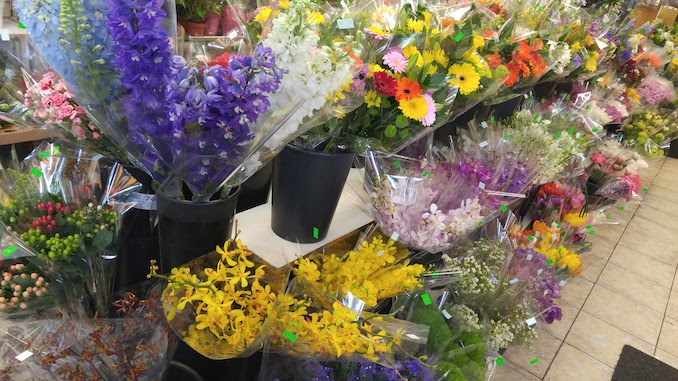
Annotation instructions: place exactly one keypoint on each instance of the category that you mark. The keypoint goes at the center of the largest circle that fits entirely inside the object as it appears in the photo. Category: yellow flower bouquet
(309, 323)
(372, 272)
(218, 304)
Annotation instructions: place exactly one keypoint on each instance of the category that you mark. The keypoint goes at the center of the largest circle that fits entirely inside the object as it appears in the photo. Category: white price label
(24, 355)
(562, 283)
(513, 281)
(144, 201)
(380, 253)
(345, 24)
(484, 124)
(529, 257)
(412, 336)
(395, 236)
(531, 321)
(483, 144)
(447, 315)
(481, 186)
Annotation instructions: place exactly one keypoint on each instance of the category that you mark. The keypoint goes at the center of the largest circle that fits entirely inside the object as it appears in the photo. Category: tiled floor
(627, 294)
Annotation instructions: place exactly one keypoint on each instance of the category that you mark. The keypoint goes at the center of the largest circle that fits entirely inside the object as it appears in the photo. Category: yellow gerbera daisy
(414, 108)
(416, 26)
(410, 51)
(465, 77)
(263, 15)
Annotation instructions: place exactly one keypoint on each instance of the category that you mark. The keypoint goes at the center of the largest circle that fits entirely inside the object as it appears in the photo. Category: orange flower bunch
(525, 61)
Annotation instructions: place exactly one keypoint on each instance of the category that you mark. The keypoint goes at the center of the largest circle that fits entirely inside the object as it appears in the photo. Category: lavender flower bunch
(411, 370)
(530, 266)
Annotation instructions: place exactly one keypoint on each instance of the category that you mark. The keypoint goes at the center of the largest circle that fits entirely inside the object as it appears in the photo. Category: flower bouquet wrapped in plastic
(135, 347)
(190, 124)
(405, 93)
(12, 86)
(428, 205)
(46, 103)
(310, 324)
(59, 205)
(219, 303)
(648, 131)
(374, 271)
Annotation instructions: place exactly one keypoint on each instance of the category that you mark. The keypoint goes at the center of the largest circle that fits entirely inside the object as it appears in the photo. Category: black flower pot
(178, 371)
(254, 191)
(673, 149)
(188, 230)
(505, 110)
(545, 90)
(305, 192)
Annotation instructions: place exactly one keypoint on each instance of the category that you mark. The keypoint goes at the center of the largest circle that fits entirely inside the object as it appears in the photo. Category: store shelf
(9, 29)
(255, 225)
(13, 135)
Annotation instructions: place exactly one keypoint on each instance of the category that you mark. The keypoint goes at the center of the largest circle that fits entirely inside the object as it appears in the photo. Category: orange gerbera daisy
(655, 61)
(524, 69)
(514, 74)
(493, 60)
(406, 89)
(537, 63)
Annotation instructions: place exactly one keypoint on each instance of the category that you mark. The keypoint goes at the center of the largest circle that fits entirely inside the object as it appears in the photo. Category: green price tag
(621, 208)
(504, 208)
(459, 36)
(534, 361)
(57, 149)
(644, 189)
(21, 25)
(426, 299)
(549, 261)
(500, 361)
(43, 154)
(592, 232)
(9, 251)
(316, 233)
(570, 131)
(424, 174)
(587, 227)
(290, 336)
(480, 223)
(36, 172)
(557, 135)
(531, 238)
(396, 164)
(492, 119)
(536, 117)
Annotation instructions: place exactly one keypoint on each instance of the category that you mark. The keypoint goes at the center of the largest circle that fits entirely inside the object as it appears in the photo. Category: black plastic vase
(305, 192)
(188, 230)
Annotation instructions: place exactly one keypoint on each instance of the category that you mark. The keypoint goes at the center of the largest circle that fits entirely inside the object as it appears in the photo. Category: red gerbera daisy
(384, 84)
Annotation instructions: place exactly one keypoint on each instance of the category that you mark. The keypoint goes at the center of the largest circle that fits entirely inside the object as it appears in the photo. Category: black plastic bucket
(188, 230)
(305, 192)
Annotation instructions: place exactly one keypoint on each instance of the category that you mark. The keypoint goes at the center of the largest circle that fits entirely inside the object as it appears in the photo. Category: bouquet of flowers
(612, 171)
(647, 131)
(218, 304)
(406, 93)
(374, 271)
(12, 86)
(61, 208)
(309, 323)
(134, 347)
(655, 90)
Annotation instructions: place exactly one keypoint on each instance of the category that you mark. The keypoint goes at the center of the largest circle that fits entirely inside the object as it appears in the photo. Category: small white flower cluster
(474, 276)
(311, 71)
(468, 318)
(559, 56)
(501, 335)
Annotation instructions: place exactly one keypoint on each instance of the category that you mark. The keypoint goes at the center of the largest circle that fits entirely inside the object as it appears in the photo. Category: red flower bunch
(525, 61)
(385, 84)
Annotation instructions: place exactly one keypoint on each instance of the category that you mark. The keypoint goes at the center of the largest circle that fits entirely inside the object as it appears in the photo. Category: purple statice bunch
(143, 56)
(655, 90)
(531, 266)
(211, 110)
(515, 176)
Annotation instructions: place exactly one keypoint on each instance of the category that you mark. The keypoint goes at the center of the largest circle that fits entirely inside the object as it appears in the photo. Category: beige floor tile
(593, 266)
(664, 181)
(666, 358)
(601, 340)
(560, 328)
(647, 267)
(654, 229)
(511, 372)
(653, 247)
(611, 232)
(624, 313)
(635, 287)
(668, 340)
(544, 350)
(672, 308)
(601, 247)
(661, 204)
(657, 215)
(572, 364)
(576, 291)
(667, 194)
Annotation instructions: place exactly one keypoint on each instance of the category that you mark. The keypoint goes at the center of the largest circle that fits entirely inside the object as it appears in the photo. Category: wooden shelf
(13, 135)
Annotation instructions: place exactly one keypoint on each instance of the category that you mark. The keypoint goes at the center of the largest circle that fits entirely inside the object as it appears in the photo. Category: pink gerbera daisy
(430, 117)
(396, 61)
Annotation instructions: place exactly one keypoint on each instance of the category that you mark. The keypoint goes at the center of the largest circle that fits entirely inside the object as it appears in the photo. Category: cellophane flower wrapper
(325, 64)
(46, 103)
(407, 94)
(454, 349)
(486, 298)
(59, 204)
(426, 204)
(375, 270)
(223, 312)
(309, 323)
(12, 86)
(135, 347)
(648, 131)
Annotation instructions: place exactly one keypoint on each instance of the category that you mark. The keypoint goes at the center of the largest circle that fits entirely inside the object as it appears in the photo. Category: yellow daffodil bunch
(218, 303)
(372, 272)
(304, 328)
